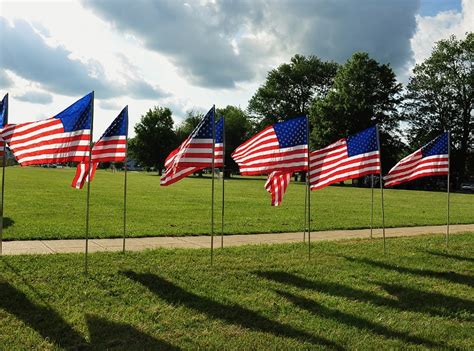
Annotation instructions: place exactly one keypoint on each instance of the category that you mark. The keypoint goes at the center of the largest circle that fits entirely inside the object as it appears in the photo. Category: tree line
(341, 100)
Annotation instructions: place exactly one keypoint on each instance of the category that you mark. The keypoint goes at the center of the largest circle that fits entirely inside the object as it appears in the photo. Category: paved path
(137, 244)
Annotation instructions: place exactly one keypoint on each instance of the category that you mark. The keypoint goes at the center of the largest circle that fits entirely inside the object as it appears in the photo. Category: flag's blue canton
(204, 129)
(363, 142)
(438, 146)
(292, 132)
(78, 116)
(220, 130)
(3, 111)
(119, 126)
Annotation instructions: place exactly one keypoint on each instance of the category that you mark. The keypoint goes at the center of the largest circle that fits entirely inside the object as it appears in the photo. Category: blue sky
(433, 7)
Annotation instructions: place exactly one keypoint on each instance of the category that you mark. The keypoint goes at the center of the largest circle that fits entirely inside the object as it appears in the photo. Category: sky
(189, 55)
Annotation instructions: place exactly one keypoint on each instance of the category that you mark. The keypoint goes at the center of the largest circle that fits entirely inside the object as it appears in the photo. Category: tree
(238, 128)
(290, 89)
(186, 127)
(440, 96)
(364, 93)
(154, 138)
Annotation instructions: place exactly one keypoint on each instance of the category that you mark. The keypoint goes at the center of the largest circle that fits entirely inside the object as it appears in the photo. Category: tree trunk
(303, 177)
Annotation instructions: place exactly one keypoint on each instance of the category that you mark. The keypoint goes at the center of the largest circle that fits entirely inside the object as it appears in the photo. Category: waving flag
(276, 185)
(3, 120)
(431, 160)
(63, 138)
(195, 153)
(347, 158)
(280, 147)
(111, 147)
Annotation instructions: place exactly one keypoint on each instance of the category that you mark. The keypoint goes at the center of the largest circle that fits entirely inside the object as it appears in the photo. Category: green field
(349, 296)
(39, 203)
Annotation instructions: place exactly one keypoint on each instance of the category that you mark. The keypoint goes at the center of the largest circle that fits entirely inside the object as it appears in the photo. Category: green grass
(349, 296)
(39, 203)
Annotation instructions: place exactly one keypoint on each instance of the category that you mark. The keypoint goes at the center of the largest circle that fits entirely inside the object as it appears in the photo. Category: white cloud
(431, 29)
(231, 44)
(36, 97)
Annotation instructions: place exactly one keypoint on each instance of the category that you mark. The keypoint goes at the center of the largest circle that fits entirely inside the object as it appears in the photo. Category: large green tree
(154, 138)
(290, 89)
(364, 93)
(188, 125)
(238, 128)
(440, 96)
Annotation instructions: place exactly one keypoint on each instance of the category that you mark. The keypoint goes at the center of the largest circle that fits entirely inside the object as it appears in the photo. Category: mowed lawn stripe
(40, 204)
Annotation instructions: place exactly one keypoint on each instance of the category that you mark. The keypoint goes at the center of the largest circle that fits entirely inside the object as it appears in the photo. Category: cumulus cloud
(186, 33)
(221, 43)
(431, 29)
(135, 83)
(5, 80)
(334, 30)
(36, 97)
(25, 52)
(109, 105)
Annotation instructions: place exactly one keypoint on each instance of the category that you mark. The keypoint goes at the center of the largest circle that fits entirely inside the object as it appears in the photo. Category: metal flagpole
(448, 186)
(372, 206)
(213, 169)
(305, 205)
(308, 190)
(4, 158)
(125, 189)
(223, 178)
(381, 190)
(89, 183)
(383, 212)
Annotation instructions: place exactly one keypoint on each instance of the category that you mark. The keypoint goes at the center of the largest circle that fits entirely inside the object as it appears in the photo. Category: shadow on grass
(43, 319)
(354, 321)
(232, 314)
(107, 335)
(7, 222)
(433, 303)
(446, 255)
(408, 299)
(52, 326)
(452, 277)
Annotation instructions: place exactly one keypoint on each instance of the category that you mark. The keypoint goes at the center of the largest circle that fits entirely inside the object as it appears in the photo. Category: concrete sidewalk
(137, 244)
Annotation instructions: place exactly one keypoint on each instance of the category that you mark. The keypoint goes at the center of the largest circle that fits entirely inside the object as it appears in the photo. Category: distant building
(133, 165)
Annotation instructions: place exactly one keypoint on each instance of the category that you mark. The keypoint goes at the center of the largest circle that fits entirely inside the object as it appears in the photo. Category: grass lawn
(39, 203)
(349, 296)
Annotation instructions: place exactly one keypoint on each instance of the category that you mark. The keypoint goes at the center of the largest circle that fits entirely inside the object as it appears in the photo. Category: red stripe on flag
(332, 164)
(276, 185)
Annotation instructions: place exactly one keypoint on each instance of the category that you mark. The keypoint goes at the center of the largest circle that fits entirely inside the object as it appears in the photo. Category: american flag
(347, 158)
(195, 153)
(3, 120)
(280, 147)
(62, 138)
(431, 160)
(276, 185)
(111, 147)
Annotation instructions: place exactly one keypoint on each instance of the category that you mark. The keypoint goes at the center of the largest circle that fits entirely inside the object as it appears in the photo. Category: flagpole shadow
(451, 277)
(232, 314)
(104, 334)
(107, 335)
(452, 256)
(408, 299)
(355, 321)
(47, 322)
